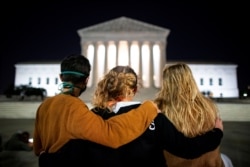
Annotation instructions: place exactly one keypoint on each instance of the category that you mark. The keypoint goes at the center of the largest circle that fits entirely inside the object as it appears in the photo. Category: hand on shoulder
(154, 104)
(218, 123)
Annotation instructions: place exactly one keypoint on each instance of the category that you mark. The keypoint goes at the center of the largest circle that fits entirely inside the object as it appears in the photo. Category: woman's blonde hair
(119, 83)
(182, 102)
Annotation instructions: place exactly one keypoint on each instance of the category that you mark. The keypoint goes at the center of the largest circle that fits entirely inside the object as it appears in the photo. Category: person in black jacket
(114, 95)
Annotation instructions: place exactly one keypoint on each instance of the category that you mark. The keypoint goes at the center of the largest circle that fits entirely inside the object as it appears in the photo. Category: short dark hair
(75, 68)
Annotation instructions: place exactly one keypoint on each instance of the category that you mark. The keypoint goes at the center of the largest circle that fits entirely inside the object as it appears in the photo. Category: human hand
(218, 123)
(158, 110)
(154, 105)
(30, 144)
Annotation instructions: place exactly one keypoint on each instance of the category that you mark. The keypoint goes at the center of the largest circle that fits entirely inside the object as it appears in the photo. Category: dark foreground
(235, 143)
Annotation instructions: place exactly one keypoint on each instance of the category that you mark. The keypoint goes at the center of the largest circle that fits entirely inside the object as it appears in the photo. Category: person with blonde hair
(114, 96)
(191, 112)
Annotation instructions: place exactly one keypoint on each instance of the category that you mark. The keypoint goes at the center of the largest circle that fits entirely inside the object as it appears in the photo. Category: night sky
(207, 31)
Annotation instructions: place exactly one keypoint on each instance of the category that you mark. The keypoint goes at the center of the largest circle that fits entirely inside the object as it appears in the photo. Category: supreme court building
(125, 41)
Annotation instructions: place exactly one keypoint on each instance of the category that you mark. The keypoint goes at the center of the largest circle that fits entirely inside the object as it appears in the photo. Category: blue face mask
(70, 88)
(73, 72)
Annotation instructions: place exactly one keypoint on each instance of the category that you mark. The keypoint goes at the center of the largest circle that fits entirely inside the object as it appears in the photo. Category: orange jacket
(64, 117)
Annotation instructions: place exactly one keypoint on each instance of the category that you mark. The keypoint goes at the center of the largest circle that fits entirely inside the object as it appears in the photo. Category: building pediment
(123, 24)
(123, 28)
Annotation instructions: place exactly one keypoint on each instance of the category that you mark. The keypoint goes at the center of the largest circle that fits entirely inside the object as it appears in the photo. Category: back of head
(178, 85)
(119, 83)
(183, 103)
(74, 68)
(179, 82)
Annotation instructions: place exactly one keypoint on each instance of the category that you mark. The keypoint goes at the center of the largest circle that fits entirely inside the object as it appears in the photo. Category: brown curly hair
(119, 83)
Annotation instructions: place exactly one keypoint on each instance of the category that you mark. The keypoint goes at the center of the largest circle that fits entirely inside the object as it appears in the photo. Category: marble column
(95, 64)
(151, 65)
